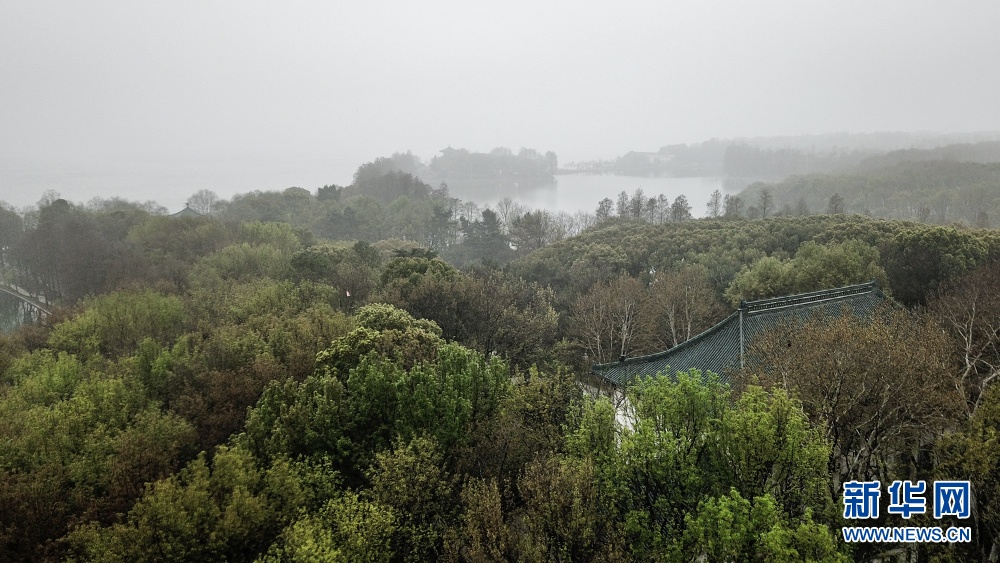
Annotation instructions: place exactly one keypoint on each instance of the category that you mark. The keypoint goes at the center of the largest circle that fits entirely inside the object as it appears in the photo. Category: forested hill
(776, 158)
(246, 391)
(983, 152)
(915, 257)
(464, 172)
(957, 183)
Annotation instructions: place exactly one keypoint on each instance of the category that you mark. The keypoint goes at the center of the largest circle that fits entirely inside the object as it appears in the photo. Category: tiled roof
(720, 349)
(186, 212)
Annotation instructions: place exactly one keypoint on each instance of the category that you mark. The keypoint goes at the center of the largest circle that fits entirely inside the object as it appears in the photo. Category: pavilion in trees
(186, 212)
(722, 348)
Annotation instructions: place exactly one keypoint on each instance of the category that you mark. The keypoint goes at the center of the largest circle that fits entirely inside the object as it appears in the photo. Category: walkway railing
(24, 296)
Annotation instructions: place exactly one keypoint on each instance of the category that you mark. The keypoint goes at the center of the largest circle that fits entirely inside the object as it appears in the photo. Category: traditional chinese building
(186, 212)
(722, 348)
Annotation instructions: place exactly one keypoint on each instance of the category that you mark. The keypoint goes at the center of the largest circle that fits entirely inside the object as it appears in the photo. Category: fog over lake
(170, 183)
(169, 99)
(582, 192)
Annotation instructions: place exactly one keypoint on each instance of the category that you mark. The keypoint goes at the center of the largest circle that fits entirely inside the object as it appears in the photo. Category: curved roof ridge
(689, 342)
(722, 346)
(810, 296)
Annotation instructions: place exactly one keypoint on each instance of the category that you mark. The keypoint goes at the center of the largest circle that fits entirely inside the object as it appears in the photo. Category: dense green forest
(358, 375)
(776, 158)
(955, 183)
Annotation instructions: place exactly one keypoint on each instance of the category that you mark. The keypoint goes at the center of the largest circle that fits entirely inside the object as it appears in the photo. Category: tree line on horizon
(776, 158)
(955, 183)
(66, 251)
(385, 202)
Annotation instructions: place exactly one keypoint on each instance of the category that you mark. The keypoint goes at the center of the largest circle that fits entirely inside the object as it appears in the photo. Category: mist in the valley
(157, 101)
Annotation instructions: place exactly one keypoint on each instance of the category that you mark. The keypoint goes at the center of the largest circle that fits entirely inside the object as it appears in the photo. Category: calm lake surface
(170, 183)
(13, 313)
(582, 192)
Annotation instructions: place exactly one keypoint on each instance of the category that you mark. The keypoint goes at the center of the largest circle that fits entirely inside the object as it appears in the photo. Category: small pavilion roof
(186, 212)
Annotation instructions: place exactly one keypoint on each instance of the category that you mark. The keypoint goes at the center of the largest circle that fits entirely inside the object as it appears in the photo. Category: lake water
(582, 192)
(13, 313)
(170, 182)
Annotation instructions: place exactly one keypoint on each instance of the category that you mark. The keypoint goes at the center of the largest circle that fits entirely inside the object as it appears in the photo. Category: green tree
(300, 420)
(347, 529)
(532, 231)
(835, 205)
(813, 268)
(11, 230)
(680, 210)
(76, 444)
(351, 269)
(715, 204)
(412, 480)
(692, 456)
(973, 454)
(226, 510)
(568, 513)
(732, 207)
(66, 256)
(483, 238)
(113, 325)
(766, 202)
(488, 311)
(371, 388)
(732, 528)
(918, 261)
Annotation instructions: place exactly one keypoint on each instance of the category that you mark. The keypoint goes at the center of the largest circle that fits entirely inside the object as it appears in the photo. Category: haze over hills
(416, 226)
(528, 174)
(772, 158)
(953, 183)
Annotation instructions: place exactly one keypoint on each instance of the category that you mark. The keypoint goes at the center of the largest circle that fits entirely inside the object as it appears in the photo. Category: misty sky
(338, 83)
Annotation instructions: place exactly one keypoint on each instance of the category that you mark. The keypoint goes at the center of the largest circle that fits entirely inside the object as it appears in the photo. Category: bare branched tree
(879, 387)
(969, 310)
(715, 204)
(766, 202)
(608, 322)
(509, 211)
(682, 305)
(203, 201)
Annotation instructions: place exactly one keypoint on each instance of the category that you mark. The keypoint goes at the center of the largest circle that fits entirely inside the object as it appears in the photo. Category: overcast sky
(344, 82)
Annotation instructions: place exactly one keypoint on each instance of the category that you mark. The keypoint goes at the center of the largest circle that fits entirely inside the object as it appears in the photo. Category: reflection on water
(582, 192)
(171, 182)
(14, 312)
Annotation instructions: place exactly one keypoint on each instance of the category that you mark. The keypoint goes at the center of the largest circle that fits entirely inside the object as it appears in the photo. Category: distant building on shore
(186, 212)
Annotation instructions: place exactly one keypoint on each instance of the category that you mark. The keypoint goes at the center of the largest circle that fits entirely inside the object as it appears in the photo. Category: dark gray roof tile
(718, 349)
